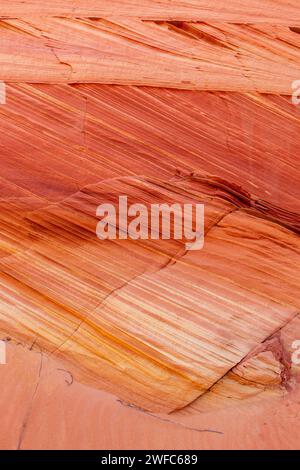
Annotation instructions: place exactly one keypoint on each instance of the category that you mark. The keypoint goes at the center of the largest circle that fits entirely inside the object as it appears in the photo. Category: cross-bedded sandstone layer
(146, 320)
(180, 103)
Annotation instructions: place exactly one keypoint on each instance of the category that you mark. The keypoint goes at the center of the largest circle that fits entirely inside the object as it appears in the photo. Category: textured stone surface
(160, 325)
(239, 11)
(202, 56)
(142, 344)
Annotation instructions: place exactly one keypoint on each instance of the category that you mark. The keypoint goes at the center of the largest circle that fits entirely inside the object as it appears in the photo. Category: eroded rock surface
(163, 102)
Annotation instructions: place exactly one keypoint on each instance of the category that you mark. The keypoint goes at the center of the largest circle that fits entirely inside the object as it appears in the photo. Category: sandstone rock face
(184, 55)
(142, 343)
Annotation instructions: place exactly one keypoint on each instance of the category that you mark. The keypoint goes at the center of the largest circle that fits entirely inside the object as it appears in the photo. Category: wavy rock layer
(203, 56)
(88, 133)
(147, 320)
(237, 11)
(163, 102)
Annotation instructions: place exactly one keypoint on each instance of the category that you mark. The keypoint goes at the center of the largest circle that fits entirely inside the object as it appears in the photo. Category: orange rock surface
(126, 51)
(234, 10)
(125, 344)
